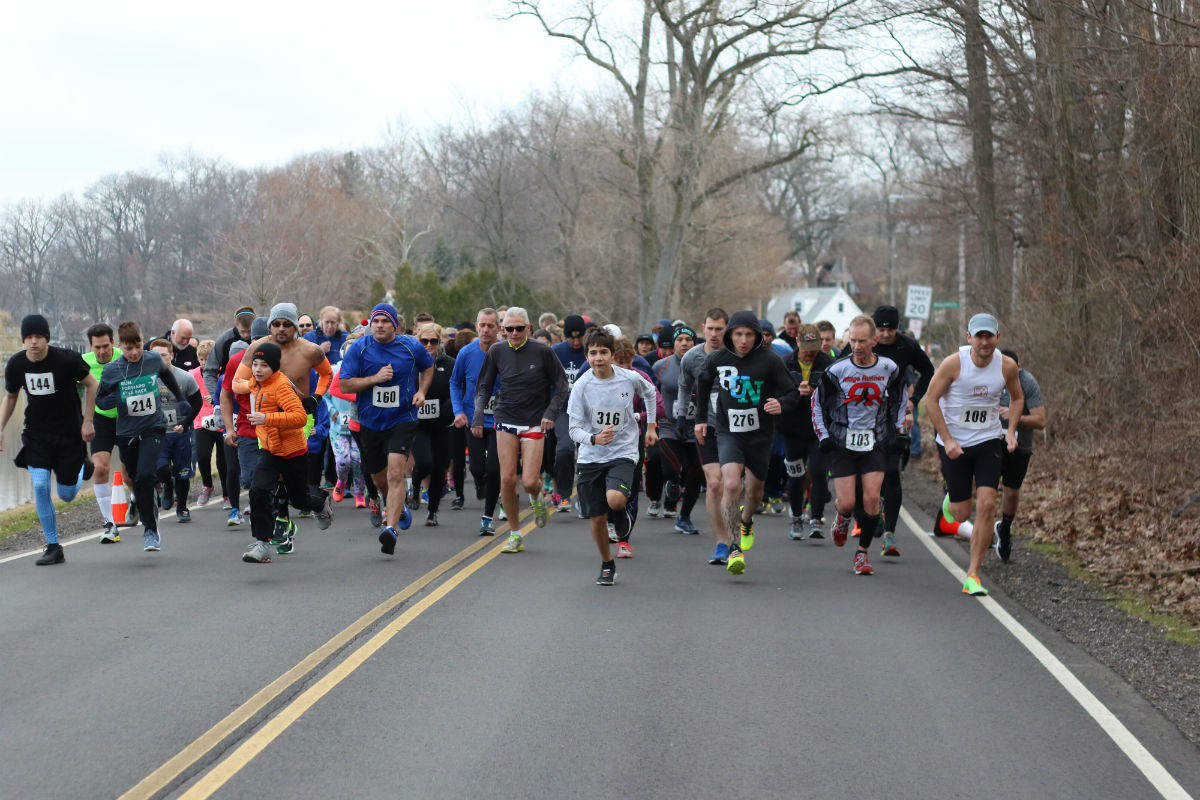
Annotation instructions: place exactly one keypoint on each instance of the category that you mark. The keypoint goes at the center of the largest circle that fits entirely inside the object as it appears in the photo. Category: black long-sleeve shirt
(535, 385)
(906, 352)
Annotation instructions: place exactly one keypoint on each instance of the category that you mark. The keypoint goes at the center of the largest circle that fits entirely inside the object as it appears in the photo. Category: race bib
(860, 440)
(743, 420)
(712, 401)
(603, 416)
(169, 415)
(39, 383)
(431, 409)
(385, 397)
(686, 411)
(795, 469)
(211, 423)
(976, 417)
(489, 407)
(140, 395)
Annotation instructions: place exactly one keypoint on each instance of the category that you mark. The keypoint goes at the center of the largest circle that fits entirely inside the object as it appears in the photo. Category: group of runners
(301, 414)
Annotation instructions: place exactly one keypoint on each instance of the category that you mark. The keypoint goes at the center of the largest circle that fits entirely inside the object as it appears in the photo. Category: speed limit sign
(918, 302)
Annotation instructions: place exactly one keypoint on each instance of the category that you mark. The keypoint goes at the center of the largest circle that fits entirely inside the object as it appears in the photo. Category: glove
(826, 445)
(310, 404)
(900, 444)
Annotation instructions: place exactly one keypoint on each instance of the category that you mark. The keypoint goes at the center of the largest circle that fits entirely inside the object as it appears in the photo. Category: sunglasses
(431, 341)
(515, 328)
(281, 323)
(304, 325)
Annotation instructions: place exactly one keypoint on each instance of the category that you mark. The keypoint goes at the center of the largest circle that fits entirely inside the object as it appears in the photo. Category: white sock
(104, 499)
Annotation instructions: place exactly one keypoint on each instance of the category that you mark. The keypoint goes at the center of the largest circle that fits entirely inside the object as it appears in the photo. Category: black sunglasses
(281, 323)
(431, 341)
(515, 328)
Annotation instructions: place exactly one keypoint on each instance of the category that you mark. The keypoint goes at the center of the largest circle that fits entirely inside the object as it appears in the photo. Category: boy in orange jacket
(279, 419)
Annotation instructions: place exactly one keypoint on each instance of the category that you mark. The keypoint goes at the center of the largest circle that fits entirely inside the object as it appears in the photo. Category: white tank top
(972, 405)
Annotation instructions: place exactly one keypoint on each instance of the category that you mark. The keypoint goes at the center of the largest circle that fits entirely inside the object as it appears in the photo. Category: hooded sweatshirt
(743, 384)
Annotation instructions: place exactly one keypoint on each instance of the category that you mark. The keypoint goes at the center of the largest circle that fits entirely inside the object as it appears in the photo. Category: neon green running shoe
(747, 534)
(972, 587)
(541, 512)
(285, 529)
(515, 544)
(736, 563)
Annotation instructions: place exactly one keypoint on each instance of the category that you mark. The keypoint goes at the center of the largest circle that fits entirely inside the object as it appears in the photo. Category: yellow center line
(162, 777)
(271, 730)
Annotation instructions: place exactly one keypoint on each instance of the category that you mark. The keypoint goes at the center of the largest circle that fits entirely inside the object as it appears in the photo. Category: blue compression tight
(45, 506)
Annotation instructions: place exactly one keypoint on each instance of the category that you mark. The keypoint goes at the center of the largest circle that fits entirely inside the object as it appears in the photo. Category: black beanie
(574, 325)
(268, 352)
(887, 317)
(35, 325)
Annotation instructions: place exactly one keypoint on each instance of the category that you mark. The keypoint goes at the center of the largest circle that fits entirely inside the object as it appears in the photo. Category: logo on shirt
(863, 392)
(980, 391)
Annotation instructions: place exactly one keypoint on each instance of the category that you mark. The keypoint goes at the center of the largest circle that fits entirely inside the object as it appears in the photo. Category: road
(451, 670)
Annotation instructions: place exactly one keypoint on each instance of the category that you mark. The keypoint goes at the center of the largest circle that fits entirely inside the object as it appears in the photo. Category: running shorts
(979, 465)
(752, 452)
(375, 446)
(1016, 464)
(593, 482)
(845, 463)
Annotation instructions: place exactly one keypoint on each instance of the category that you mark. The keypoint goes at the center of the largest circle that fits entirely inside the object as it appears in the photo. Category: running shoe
(425, 497)
(624, 550)
(564, 505)
(502, 517)
(204, 496)
(763, 508)
(515, 544)
(608, 574)
(327, 484)
(861, 565)
(287, 547)
(258, 553)
(684, 525)
(339, 492)
(653, 509)
(53, 554)
(841, 530)
(547, 484)
(972, 587)
(225, 504)
(857, 531)
(387, 540)
(457, 504)
(937, 524)
(360, 501)
(131, 516)
(541, 512)
(815, 525)
(797, 531)
(622, 522)
(412, 502)
(284, 530)
(888, 548)
(777, 505)
(612, 534)
(1002, 541)
(405, 518)
(746, 534)
(234, 518)
(720, 555)
(431, 520)
(669, 510)
(305, 515)
(486, 528)
(376, 513)
(151, 542)
(325, 515)
(167, 498)
(183, 515)
(737, 562)
(111, 535)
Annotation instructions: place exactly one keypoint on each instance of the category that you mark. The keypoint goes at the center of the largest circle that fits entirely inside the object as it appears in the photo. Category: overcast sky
(93, 88)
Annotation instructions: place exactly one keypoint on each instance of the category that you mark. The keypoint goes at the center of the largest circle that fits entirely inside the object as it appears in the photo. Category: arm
(324, 376)
(484, 386)
(227, 404)
(293, 414)
(943, 376)
(785, 397)
(1016, 402)
(458, 382)
(240, 386)
(578, 417)
(195, 402)
(6, 411)
(167, 375)
(335, 388)
(561, 388)
(924, 368)
(216, 362)
(423, 382)
(90, 387)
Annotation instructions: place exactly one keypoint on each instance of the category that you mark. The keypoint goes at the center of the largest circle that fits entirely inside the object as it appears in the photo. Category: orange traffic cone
(120, 504)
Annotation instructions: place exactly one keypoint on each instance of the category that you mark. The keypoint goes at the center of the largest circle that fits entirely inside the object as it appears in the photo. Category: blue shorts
(177, 451)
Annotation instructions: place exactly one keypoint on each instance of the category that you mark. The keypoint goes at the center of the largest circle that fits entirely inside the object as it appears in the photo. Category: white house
(827, 302)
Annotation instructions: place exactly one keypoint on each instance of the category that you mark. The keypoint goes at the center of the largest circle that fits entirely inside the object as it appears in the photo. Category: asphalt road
(190, 673)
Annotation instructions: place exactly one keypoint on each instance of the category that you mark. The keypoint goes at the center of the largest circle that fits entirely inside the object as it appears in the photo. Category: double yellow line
(244, 753)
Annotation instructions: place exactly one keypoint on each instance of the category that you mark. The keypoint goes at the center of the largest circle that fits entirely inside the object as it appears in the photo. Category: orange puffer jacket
(283, 432)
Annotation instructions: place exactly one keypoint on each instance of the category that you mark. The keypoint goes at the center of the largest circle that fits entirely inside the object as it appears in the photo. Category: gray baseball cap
(982, 322)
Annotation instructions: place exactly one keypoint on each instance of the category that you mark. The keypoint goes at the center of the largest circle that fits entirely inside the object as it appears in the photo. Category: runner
(964, 409)
(343, 412)
(241, 440)
(603, 424)
(57, 425)
(175, 459)
(209, 435)
(390, 374)
(535, 387)
(749, 380)
(791, 329)
(1016, 462)
(130, 383)
(804, 461)
(690, 367)
(572, 355)
(481, 441)
(100, 339)
(677, 452)
(435, 424)
(828, 338)
(219, 357)
(182, 351)
(858, 411)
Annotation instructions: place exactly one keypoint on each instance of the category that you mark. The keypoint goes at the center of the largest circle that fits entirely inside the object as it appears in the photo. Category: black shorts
(65, 456)
(106, 434)
(752, 452)
(1016, 464)
(593, 482)
(979, 466)
(375, 446)
(708, 451)
(845, 463)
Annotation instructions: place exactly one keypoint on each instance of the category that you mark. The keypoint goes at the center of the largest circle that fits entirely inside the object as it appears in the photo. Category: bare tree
(27, 239)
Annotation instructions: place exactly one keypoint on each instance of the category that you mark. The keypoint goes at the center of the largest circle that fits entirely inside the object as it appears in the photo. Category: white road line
(1149, 766)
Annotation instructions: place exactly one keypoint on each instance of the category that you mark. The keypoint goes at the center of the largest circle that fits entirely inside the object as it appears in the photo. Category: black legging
(140, 457)
(372, 489)
(458, 468)
(267, 477)
(485, 468)
(233, 476)
(206, 442)
(431, 457)
(680, 462)
(815, 479)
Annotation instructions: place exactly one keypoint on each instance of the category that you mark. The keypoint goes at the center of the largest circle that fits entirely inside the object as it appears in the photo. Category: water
(16, 487)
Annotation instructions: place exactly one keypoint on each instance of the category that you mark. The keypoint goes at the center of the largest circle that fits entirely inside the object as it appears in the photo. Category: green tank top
(96, 367)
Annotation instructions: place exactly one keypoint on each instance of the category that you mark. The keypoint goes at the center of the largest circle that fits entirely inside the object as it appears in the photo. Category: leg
(564, 455)
(599, 528)
(531, 468)
(871, 484)
(508, 451)
(399, 465)
(262, 509)
(46, 514)
(712, 502)
(981, 536)
(731, 490)
(101, 475)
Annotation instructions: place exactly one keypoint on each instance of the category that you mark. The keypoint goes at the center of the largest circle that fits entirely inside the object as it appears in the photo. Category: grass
(24, 517)
(1174, 628)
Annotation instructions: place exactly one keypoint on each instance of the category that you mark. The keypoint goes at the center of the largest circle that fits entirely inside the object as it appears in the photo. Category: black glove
(826, 445)
(900, 444)
(310, 404)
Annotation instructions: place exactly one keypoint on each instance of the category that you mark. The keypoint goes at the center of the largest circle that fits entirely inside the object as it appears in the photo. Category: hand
(826, 445)
(1011, 440)
(207, 399)
(231, 438)
(460, 420)
(1004, 415)
(547, 424)
(309, 403)
(88, 431)
(256, 418)
(805, 389)
(176, 429)
(605, 436)
(772, 407)
(651, 437)
(953, 449)
(900, 444)
(418, 399)
(325, 345)
(701, 430)
(477, 431)
(384, 375)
